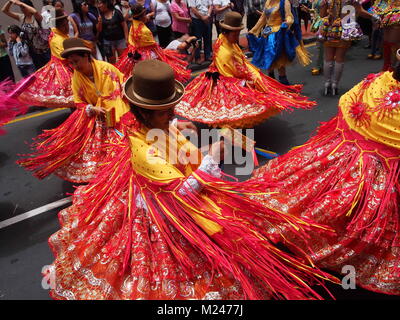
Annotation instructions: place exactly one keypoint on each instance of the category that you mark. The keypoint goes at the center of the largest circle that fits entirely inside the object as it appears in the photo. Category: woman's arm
(177, 17)
(323, 11)
(289, 19)
(360, 11)
(125, 28)
(74, 26)
(6, 9)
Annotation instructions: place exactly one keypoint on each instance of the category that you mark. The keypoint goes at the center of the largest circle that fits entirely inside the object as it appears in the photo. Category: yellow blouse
(104, 92)
(56, 43)
(153, 160)
(231, 62)
(143, 38)
(150, 161)
(381, 128)
(274, 19)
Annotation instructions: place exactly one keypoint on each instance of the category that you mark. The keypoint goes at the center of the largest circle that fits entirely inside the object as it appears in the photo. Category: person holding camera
(142, 46)
(185, 45)
(20, 51)
(35, 36)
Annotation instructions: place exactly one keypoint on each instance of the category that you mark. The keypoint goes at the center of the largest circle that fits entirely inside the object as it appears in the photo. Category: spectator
(295, 6)
(6, 71)
(200, 11)
(58, 4)
(149, 14)
(253, 9)
(185, 45)
(304, 12)
(125, 9)
(84, 23)
(20, 51)
(163, 21)
(113, 28)
(180, 18)
(220, 8)
(238, 6)
(93, 8)
(33, 34)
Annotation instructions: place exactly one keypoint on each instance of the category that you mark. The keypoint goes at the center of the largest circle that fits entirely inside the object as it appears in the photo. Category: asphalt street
(23, 246)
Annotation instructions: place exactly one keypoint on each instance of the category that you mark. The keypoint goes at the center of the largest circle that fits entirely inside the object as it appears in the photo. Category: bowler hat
(72, 45)
(232, 21)
(153, 86)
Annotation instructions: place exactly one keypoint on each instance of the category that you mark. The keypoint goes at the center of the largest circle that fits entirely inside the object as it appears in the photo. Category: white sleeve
(208, 165)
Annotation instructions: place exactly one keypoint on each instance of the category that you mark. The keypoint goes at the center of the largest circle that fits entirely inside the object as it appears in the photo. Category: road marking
(34, 212)
(35, 115)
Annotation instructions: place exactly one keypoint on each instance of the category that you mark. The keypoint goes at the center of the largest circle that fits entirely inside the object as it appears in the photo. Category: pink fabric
(182, 11)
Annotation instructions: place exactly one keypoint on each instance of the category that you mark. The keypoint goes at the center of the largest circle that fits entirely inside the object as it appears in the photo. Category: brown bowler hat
(74, 45)
(138, 10)
(153, 86)
(232, 21)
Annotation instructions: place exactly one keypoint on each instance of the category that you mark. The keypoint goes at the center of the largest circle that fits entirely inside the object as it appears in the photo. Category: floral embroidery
(358, 111)
(389, 104)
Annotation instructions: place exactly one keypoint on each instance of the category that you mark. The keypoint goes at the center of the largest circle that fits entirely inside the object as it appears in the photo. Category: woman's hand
(186, 125)
(217, 151)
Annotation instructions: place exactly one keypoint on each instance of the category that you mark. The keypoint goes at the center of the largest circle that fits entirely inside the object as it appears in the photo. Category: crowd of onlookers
(176, 24)
(182, 25)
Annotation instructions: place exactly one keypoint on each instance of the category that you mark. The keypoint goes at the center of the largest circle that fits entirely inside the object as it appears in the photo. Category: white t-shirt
(222, 3)
(162, 17)
(201, 6)
(173, 45)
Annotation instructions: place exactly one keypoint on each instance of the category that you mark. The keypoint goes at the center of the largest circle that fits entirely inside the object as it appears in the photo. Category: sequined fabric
(83, 270)
(350, 184)
(52, 86)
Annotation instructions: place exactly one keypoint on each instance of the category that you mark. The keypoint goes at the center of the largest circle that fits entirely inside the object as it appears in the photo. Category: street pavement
(23, 246)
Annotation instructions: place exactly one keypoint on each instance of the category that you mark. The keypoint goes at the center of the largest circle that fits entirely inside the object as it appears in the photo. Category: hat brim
(69, 51)
(228, 27)
(127, 92)
(398, 54)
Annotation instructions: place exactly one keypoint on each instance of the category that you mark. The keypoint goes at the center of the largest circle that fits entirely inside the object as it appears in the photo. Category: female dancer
(233, 92)
(151, 228)
(273, 42)
(347, 177)
(389, 12)
(337, 32)
(75, 149)
(142, 47)
(50, 86)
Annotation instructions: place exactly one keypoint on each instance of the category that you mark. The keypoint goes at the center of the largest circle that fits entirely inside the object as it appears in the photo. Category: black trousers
(6, 70)
(164, 36)
(252, 19)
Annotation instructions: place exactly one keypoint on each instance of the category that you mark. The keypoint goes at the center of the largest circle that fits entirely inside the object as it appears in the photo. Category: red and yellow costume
(234, 92)
(51, 86)
(347, 177)
(148, 229)
(142, 46)
(74, 150)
